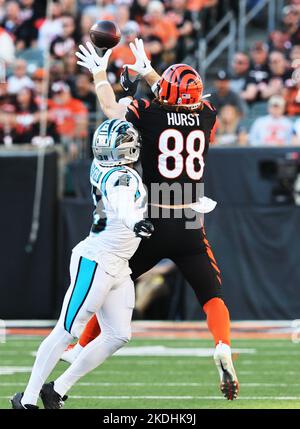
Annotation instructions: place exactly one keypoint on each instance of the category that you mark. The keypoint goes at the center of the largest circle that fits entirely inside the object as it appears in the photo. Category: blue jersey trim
(105, 178)
(84, 280)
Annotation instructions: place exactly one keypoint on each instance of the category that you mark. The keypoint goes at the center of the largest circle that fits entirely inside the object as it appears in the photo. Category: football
(105, 34)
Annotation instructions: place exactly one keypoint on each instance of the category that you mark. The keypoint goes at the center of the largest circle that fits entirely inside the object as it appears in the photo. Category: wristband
(101, 83)
(154, 88)
(125, 101)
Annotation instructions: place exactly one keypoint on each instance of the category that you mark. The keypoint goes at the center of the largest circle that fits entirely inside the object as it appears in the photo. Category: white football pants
(91, 291)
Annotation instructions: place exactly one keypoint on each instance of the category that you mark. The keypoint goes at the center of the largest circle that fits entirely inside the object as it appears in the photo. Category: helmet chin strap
(189, 106)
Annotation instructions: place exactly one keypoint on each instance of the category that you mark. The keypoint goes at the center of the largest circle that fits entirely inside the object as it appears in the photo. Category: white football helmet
(116, 142)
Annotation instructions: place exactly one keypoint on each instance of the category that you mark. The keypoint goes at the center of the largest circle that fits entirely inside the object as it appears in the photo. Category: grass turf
(269, 378)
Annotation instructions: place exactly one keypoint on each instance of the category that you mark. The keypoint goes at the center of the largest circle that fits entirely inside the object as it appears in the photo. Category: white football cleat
(229, 383)
(71, 353)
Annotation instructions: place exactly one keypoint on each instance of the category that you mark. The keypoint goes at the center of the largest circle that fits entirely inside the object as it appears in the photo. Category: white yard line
(188, 398)
(120, 384)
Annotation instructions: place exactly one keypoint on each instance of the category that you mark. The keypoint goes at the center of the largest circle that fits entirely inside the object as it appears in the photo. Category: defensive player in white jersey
(99, 269)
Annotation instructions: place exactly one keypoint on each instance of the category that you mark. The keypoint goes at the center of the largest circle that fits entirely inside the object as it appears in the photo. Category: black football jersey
(174, 147)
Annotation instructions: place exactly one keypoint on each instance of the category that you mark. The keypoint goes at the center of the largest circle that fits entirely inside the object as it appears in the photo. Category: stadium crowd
(266, 77)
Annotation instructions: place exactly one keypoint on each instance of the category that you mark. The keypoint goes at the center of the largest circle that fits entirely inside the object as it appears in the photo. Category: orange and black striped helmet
(180, 85)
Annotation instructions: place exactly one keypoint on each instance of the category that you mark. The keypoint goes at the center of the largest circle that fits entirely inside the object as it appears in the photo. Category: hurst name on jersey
(183, 119)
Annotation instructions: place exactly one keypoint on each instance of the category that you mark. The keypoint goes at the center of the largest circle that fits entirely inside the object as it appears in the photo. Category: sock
(90, 357)
(218, 320)
(91, 331)
(47, 357)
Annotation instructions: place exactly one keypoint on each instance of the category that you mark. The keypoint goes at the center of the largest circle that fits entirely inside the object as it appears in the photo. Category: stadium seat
(33, 56)
(259, 109)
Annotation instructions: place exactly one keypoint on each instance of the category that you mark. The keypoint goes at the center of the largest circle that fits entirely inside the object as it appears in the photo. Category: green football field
(268, 370)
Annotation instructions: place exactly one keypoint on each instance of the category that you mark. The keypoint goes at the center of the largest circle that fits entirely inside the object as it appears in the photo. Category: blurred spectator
(71, 69)
(52, 27)
(70, 7)
(295, 54)
(122, 53)
(279, 78)
(57, 71)
(27, 9)
(69, 116)
(85, 93)
(64, 43)
(5, 99)
(38, 85)
(222, 94)
(19, 79)
(138, 10)
(291, 22)
(7, 47)
(26, 33)
(86, 23)
(157, 24)
(239, 73)
(258, 73)
(182, 18)
(279, 41)
(274, 129)
(26, 117)
(12, 17)
(2, 9)
(122, 15)
(6, 108)
(229, 132)
(292, 98)
(20, 23)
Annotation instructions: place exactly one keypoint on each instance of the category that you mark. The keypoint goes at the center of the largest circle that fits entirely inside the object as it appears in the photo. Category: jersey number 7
(181, 163)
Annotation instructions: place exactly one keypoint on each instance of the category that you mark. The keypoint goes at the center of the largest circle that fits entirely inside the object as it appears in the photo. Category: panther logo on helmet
(181, 85)
(116, 142)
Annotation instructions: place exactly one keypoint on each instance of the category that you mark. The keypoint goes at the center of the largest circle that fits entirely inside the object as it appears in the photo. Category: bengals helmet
(180, 85)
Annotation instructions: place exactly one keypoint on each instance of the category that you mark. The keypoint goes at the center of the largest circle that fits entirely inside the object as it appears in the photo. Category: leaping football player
(175, 130)
(99, 270)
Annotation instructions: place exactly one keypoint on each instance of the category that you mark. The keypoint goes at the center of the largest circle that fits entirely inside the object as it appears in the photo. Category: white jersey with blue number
(120, 202)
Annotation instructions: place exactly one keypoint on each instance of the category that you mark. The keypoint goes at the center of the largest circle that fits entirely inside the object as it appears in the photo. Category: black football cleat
(16, 403)
(51, 399)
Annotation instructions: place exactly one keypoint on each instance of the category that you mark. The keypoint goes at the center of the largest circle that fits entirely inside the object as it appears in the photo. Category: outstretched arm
(142, 63)
(89, 59)
(107, 98)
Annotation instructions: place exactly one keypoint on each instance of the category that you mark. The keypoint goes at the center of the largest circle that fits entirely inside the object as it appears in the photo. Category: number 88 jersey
(174, 144)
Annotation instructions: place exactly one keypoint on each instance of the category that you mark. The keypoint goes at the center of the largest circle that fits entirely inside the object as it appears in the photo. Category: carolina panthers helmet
(116, 142)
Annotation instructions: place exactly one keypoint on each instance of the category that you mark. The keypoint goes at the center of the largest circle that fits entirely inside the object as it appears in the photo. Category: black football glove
(143, 229)
(128, 85)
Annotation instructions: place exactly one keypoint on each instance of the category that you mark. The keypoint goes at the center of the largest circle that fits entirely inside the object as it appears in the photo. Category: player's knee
(60, 332)
(118, 337)
(122, 337)
(77, 328)
(125, 337)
